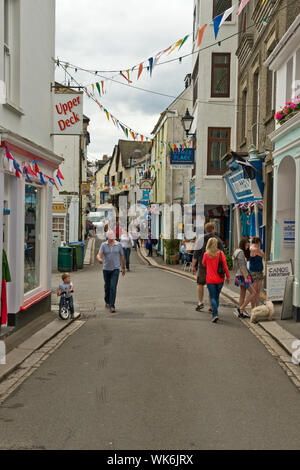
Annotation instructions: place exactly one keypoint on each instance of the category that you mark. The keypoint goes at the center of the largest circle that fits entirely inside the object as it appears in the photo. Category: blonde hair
(209, 227)
(212, 247)
(65, 275)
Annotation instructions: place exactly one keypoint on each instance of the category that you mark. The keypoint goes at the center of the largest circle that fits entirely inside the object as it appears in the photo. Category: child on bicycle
(65, 290)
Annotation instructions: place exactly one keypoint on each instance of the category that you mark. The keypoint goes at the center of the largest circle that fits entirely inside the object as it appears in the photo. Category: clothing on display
(245, 222)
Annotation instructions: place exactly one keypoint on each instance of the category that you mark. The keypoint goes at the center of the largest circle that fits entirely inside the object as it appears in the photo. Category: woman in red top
(214, 281)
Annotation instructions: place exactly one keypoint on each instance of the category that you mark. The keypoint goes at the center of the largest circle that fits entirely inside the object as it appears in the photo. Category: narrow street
(154, 375)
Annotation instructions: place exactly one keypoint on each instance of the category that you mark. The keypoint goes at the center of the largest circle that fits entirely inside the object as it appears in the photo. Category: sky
(116, 35)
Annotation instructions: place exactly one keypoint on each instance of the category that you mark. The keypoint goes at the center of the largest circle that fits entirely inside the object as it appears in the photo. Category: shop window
(218, 146)
(220, 75)
(220, 6)
(32, 237)
(58, 225)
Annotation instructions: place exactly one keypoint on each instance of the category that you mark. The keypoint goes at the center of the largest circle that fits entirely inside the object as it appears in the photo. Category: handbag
(221, 269)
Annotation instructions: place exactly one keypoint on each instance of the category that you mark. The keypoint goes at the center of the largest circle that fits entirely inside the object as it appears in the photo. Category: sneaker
(112, 310)
(200, 307)
(215, 319)
(107, 306)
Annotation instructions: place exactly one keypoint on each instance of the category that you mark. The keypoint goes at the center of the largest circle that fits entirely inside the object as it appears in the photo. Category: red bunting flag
(129, 81)
(59, 174)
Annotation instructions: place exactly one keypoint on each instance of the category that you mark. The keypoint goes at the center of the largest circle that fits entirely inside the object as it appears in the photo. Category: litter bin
(79, 246)
(74, 258)
(65, 258)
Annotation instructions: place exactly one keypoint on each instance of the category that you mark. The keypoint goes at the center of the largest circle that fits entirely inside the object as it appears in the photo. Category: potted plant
(172, 251)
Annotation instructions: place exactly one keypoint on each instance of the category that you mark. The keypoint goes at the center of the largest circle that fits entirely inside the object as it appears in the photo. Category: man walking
(111, 255)
(210, 231)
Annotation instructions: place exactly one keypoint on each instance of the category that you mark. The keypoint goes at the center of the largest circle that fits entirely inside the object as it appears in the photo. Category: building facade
(285, 63)
(261, 26)
(28, 160)
(214, 109)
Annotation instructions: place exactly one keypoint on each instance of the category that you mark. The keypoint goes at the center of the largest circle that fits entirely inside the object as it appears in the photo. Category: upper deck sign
(68, 113)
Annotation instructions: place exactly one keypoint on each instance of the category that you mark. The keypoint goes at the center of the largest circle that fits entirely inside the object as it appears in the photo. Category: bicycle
(64, 309)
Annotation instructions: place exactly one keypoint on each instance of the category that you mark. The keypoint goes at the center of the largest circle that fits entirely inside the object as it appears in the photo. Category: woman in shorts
(243, 278)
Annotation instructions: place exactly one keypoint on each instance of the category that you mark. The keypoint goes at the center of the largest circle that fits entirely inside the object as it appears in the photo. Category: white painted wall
(212, 112)
(36, 71)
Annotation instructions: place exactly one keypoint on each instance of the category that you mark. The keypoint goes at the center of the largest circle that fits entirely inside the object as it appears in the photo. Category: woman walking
(243, 278)
(216, 267)
(126, 242)
(256, 268)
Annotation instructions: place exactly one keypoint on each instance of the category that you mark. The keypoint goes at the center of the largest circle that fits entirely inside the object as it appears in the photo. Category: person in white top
(127, 243)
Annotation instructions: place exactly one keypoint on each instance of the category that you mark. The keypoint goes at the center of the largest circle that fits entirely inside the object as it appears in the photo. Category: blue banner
(182, 157)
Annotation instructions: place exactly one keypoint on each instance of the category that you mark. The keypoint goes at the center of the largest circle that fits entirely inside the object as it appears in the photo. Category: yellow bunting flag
(176, 45)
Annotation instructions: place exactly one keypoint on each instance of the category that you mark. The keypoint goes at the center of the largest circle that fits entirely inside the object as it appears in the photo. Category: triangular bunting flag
(98, 88)
(217, 20)
(227, 14)
(140, 70)
(176, 45)
(200, 34)
(183, 41)
(151, 65)
(242, 6)
(59, 174)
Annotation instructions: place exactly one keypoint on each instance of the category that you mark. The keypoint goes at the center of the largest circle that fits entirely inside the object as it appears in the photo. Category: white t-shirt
(126, 241)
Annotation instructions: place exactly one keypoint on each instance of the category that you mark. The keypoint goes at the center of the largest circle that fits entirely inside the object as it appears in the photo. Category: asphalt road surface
(154, 375)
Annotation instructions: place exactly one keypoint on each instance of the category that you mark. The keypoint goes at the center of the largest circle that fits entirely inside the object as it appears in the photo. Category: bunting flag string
(27, 169)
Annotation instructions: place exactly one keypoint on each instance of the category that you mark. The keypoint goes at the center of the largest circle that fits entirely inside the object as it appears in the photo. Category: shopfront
(286, 201)
(244, 189)
(26, 226)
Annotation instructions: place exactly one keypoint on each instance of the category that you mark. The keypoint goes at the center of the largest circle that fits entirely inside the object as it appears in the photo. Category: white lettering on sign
(241, 185)
(68, 113)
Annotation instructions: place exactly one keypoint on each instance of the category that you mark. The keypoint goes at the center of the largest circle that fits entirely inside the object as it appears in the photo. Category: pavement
(154, 375)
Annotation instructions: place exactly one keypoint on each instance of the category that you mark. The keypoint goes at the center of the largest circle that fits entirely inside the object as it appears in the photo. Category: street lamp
(187, 121)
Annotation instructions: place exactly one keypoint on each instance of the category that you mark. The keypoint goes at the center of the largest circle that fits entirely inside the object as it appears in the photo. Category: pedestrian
(149, 243)
(135, 235)
(256, 268)
(243, 278)
(66, 287)
(182, 251)
(216, 267)
(210, 232)
(126, 242)
(111, 255)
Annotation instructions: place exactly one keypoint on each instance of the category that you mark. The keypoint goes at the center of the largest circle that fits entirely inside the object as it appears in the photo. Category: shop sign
(277, 274)
(58, 208)
(85, 189)
(68, 113)
(146, 195)
(289, 233)
(182, 159)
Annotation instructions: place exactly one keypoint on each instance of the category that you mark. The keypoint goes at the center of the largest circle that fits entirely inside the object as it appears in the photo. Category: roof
(128, 149)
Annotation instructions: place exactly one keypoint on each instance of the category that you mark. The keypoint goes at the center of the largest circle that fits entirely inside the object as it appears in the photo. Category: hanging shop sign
(68, 114)
(289, 233)
(184, 158)
(85, 189)
(277, 274)
(146, 183)
(244, 189)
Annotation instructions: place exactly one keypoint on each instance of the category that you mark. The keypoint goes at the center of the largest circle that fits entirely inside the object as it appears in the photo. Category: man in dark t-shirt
(210, 231)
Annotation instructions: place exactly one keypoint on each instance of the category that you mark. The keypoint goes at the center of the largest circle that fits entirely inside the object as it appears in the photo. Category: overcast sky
(116, 35)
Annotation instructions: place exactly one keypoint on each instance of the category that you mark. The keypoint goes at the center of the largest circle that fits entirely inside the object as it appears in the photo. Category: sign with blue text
(184, 157)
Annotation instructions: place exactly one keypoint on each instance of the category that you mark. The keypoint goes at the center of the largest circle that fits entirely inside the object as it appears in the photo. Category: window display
(32, 237)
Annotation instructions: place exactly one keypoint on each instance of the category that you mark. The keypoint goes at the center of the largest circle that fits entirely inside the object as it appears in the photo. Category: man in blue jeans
(111, 255)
